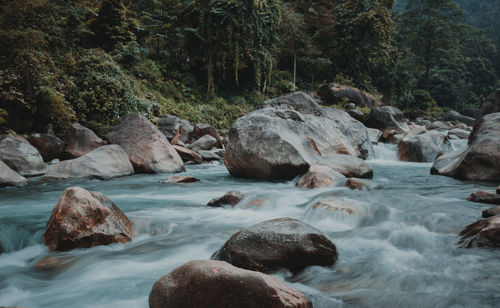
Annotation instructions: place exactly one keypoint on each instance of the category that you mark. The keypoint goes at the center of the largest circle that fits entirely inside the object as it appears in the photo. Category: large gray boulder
(9, 177)
(103, 163)
(288, 134)
(480, 160)
(169, 125)
(387, 118)
(424, 147)
(80, 141)
(147, 148)
(21, 156)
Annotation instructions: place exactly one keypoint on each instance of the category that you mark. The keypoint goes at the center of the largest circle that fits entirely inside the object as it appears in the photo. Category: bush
(422, 100)
(54, 110)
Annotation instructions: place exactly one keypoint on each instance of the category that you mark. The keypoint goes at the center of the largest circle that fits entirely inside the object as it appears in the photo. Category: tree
(112, 26)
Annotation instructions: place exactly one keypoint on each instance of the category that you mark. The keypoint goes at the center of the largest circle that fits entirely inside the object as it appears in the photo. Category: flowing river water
(398, 250)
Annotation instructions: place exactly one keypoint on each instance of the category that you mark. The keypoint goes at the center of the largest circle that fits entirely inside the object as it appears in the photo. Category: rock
(188, 155)
(454, 116)
(424, 147)
(333, 208)
(460, 133)
(202, 129)
(490, 105)
(177, 179)
(350, 106)
(290, 133)
(355, 184)
(374, 134)
(54, 264)
(9, 177)
(209, 155)
(80, 141)
(437, 125)
(498, 190)
(21, 157)
(482, 233)
(480, 160)
(462, 126)
(334, 93)
(1, 249)
(147, 148)
(103, 163)
(83, 219)
(50, 147)
(485, 197)
(356, 114)
(387, 117)
(177, 137)
(208, 284)
(415, 129)
(204, 143)
(278, 243)
(169, 125)
(492, 211)
(231, 198)
(320, 176)
(423, 122)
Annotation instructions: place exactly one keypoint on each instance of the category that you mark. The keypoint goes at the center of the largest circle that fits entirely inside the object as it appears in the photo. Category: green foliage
(422, 100)
(54, 109)
(3, 117)
(112, 27)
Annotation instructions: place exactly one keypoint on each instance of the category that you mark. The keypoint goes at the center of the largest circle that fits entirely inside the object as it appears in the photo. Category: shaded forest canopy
(214, 60)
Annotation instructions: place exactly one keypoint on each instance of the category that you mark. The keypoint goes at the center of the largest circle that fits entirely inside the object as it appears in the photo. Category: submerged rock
(290, 133)
(103, 163)
(80, 141)
(176, 179)
(482, 233)
(21, 156)
(485, 197)
(209, 284)
(147, 148)
(355, 184)
(278, 243)
(83, 219)
(231, 198)
(321, 176)
(9, 177)
(424, 147)
(49, 146)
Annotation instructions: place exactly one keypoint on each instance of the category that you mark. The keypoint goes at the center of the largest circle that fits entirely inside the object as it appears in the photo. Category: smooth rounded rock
(231, 198)
(424, 147)
(9, 177)
(321, 176)
(80, 141)
(387, 117)
(49, 146)
(21, 156)
(485, 197)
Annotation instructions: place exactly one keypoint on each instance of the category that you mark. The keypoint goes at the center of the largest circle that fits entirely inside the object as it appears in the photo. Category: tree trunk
(210, 74)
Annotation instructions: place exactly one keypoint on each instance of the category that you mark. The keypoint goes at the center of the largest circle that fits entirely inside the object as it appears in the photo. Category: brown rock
(231, 198)
(425, 147)
(202, 129)
(483, 233)
(147, 148)
(50, 147)
(278, 243)
(320, 176)
(355, 184)
(21, 156)
(83, 219)
(209, 284)
(169, 125)
(54, 264)
(188, 155)
(485, 197)
(492, 211)
(177, 179)
(177, 137)
(80, 141)
(9, 177)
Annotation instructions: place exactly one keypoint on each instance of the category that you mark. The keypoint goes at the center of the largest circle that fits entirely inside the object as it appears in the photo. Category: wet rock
(21, 157)
(354, 184)
(231, 198)
(334, 93)
(83, 219)
(321, 176)
(147, 148)
(204, 143)
(169, 125)
(374, 134)
(208, 284)
(454, 116)
(391, 136)
(480, 160)
(278, 243)
(202, 129)
(103, 163)
(485, 197)
(460, 133)
(341, 214)
(9, 177)
(50, 147)
(54, 264)
(424, 147)
(177, 179)
(492, 211)
(290, 133)
(387, 117)
(188, 155)
(483, 233)
(348, 166)
(80, 141)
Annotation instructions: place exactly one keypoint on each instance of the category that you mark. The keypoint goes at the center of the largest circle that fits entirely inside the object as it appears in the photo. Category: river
(398, 251)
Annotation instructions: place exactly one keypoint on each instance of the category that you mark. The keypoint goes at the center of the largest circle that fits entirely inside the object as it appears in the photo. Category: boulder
(202, 129)
(188, 155)
(485, 197)
(177, 179)
(21, 156)
(9, 177)
(231, 198)
(334, 94)
(482, 233)
(387, 117)
(83, 219)
(424, 147)
(209, 155)
(490, 105)
(460, 133)
(356, 114)
(374, 134)
(492, 211)
(335, 209)
(354, 184)
(437, 125)
(204, 143)
(288, 134)
(80, 141)
(49, 146)
(103, 163)
(278, 243)
(147, 148)
(415, 129)
(480, 160)
(321, 176)
(208, 284)
(453, 116)
(169, 125)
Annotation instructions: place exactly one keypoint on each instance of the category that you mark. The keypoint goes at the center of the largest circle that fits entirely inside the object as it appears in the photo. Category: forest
(215, 60)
